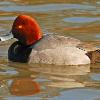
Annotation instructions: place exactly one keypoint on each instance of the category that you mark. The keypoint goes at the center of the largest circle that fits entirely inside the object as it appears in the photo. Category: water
(76, 18)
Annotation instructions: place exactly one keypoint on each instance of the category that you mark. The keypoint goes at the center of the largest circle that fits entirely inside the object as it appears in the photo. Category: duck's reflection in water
(24, 87)
(62, 76)
(19, 87)
(60, 69)
(45, 80)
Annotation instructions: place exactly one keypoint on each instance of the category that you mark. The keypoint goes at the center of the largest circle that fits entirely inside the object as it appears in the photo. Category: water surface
(76, 18)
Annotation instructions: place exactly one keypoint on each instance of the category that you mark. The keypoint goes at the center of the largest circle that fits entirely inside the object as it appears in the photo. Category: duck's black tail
(94, 56)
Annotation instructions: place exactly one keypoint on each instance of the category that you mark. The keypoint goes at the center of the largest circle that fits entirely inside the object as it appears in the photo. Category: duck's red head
(26, 30)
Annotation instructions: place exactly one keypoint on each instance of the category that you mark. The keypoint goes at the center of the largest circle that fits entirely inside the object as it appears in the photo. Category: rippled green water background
(76, 18)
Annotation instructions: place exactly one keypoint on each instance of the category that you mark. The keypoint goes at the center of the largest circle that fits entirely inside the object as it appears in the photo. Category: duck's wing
(87, 46)
(53, 41)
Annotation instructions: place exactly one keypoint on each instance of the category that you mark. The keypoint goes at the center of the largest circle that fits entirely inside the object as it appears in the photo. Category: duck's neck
(30, 45)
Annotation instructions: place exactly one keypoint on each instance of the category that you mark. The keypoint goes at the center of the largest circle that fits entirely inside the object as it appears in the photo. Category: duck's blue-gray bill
(6, 37)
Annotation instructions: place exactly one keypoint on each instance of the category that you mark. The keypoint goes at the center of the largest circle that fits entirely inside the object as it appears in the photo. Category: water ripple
(80, 19)
(95, 77)
(6, 70)
(80, 94)
(7, 18)
(46, 7)
(97, 36)
(6, 3)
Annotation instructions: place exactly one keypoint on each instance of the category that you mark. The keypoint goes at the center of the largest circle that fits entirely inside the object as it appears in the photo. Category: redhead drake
(34, 47)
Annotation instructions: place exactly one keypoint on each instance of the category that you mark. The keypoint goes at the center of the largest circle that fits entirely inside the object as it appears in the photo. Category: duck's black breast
(18, 52)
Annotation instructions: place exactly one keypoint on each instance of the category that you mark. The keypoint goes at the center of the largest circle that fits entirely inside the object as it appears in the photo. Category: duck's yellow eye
(20, 26)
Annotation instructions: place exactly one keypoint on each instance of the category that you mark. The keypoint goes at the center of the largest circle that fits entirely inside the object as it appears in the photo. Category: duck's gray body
(59, 50)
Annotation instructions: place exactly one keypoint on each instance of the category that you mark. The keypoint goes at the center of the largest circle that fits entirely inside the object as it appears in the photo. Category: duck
(32, 46)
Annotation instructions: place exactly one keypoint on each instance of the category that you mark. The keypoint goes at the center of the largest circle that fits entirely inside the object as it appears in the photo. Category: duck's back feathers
(52, 41)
